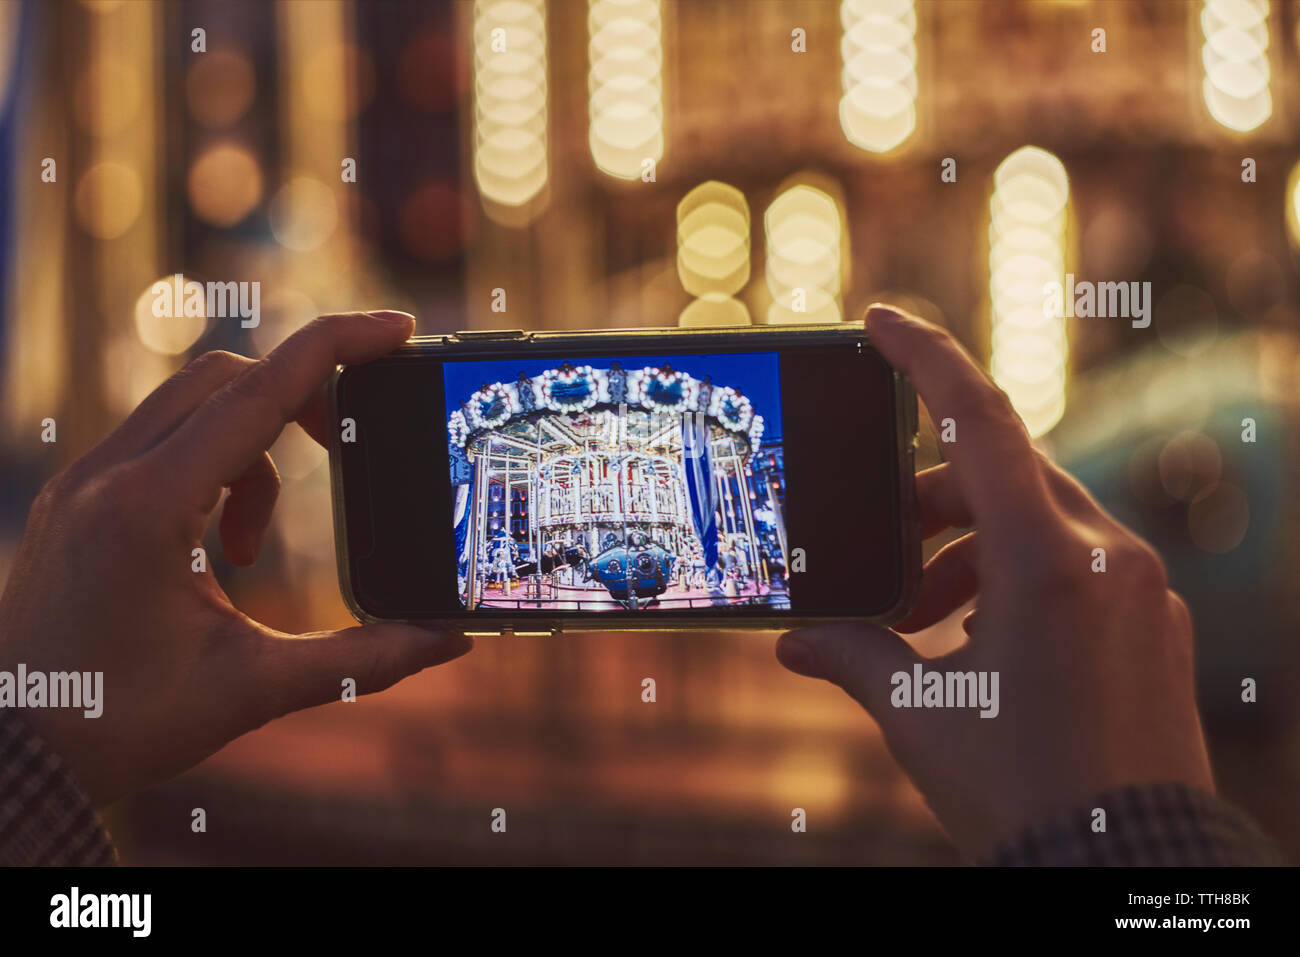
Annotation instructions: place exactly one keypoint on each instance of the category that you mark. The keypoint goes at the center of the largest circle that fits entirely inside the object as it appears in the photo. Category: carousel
(635, 485)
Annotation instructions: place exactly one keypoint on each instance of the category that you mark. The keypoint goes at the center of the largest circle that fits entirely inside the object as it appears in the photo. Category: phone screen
(724, 484)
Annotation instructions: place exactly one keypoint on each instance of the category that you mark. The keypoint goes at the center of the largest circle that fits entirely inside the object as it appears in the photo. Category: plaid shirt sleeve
(1158, 825)
(45, 817)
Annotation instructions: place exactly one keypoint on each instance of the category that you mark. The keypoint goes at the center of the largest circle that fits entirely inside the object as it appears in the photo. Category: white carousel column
(590, 474)
(475, 528)
(751, 534)
(722, 498)
(534, 529)
(780, 526)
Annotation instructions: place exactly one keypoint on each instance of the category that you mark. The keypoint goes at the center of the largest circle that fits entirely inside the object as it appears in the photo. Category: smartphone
(516, 482)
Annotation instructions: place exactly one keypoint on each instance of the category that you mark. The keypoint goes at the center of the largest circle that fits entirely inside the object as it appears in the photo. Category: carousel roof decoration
(732, 409)
(457, 428)
(492, 405)
(574, 389)
(664, 390)
(571, 388)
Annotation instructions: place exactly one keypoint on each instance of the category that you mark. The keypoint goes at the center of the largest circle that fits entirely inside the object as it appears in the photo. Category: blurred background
(620, 163)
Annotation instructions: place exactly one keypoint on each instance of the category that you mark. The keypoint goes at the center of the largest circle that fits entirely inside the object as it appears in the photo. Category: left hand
(102, 581)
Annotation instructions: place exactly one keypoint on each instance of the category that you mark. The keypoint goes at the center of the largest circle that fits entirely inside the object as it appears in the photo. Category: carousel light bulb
(1234, 58)
(804, 231)
(625, 85)
(1028, 214)
(510, 112)
(878, 49)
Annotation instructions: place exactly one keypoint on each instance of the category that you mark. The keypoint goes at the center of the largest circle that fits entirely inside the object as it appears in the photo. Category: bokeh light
(219, 87)
(303, 214)
(225, 184)
(1030, 345)
(160, 321)
(878, 49)
(713, 251)
(804, 230)
(108, 199)
(510, 93)
(1291, 201)
(1234, 57)
(625, 84)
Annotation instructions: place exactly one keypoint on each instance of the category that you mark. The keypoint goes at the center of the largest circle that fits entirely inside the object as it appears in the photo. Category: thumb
(302, 671)
(860, 658)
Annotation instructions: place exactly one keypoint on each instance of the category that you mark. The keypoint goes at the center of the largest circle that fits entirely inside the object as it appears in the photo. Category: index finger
(234, 426)
(993, 460)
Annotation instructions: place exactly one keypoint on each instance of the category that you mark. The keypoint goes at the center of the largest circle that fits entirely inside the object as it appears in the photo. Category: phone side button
(481, 334)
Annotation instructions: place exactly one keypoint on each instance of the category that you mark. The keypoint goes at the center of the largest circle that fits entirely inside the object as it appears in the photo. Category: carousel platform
(579, 598)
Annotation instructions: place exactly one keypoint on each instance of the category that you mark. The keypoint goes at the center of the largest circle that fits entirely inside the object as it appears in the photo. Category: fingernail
(798, 657)
(391, 315)
(879, 312)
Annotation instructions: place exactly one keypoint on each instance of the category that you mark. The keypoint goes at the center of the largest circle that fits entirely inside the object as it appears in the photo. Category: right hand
(1096, 675)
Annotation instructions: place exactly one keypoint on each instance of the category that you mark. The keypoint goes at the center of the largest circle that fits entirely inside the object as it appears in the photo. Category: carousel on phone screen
(616, 486)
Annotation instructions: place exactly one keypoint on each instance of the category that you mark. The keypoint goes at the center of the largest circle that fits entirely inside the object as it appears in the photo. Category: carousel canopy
(572, 389)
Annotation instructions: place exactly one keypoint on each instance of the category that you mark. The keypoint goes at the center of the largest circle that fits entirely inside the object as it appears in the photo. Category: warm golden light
(327, 64)
(625, 85)
(713, 254)
(225, 183)
(303, 214)
(804, 234)
(171, 314)
(1292, 201)
(1028, 211)
(219, 87)
(878, 50)
(510, 110)
(1234, 57)
(111, 114)
(108, 199)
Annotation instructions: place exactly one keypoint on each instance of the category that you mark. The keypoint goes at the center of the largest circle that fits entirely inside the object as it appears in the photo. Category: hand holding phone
(111, 577)
(1095, 670)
